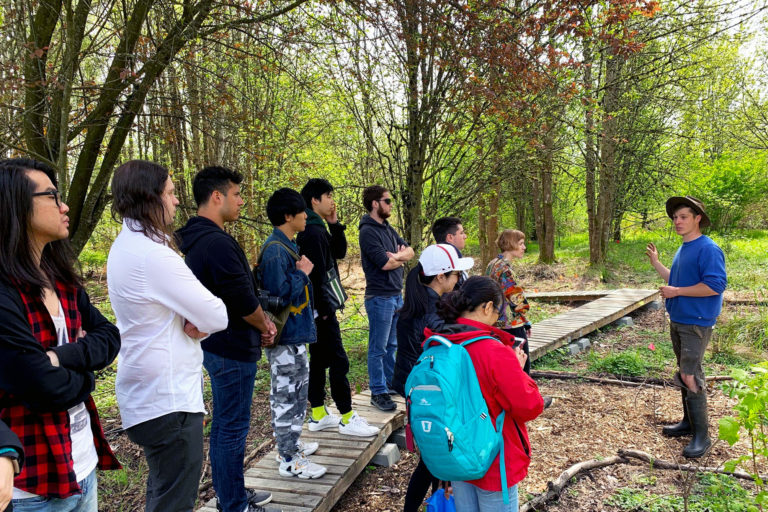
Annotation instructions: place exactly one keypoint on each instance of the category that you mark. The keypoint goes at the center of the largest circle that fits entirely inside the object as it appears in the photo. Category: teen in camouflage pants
(289, 370)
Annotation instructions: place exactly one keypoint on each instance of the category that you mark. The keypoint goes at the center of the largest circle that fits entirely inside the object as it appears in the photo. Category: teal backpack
(448, 415)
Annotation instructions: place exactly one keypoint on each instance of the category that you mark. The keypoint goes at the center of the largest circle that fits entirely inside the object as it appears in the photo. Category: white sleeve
(173, 284)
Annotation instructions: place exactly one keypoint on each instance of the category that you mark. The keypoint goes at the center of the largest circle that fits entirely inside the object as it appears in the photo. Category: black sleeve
(100, 345)
(232, 282)
(311, 246)
(26, 371)
(372, 248)
(338, 240)
(10, 440)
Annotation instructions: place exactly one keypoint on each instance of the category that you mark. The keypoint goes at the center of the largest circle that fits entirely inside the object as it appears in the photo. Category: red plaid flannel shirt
(48, 470)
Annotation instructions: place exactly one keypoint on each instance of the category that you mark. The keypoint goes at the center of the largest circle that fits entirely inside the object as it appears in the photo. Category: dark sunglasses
(54, 193)
(387, 200)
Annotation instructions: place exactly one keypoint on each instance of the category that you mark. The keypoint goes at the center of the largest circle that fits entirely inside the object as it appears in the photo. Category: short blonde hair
(508, 239)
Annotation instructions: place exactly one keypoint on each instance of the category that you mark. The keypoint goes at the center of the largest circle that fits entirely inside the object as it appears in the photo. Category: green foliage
(748, 329)
(751, 390)
(633, 362)
(556, 360)
(728, 184)
(92, 259)
(712, 493)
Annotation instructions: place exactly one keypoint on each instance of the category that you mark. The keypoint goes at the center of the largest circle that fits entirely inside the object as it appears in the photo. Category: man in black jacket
(323, 248)
(11, 460)
(229, 356)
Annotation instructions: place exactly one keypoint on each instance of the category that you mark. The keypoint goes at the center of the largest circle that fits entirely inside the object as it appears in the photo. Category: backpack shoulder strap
(435, 337)
(278, 242)
(485, 337)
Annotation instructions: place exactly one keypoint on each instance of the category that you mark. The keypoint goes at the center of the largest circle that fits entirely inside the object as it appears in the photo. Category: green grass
(746, 254)
(711, 493)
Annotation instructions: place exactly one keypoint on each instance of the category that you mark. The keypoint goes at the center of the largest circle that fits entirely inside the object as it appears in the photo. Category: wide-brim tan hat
(693, 203)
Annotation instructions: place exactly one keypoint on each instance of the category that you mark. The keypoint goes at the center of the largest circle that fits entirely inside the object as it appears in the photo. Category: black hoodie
(218, 261)
(322, 248)
(375, 241)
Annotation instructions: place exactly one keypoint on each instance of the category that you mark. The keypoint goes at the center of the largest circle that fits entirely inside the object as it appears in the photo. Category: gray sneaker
(255, 501)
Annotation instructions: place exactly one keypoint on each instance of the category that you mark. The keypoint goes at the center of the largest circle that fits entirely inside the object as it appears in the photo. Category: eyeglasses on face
(500, 309)
(388, 200)
(54, 193)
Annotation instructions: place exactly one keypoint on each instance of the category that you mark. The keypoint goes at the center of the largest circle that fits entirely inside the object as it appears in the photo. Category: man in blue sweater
(694, 297)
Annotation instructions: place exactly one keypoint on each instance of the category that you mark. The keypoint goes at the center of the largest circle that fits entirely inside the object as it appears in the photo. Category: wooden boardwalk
(344, 456)
(568, 296)
(553, 333)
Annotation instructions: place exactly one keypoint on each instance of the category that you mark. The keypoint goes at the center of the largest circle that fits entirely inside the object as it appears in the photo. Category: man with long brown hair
(162, 311)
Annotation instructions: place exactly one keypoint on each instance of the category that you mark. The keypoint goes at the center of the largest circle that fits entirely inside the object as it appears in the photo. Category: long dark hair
(476, 291)
(17, 259)
(416, 296)
(137, 190)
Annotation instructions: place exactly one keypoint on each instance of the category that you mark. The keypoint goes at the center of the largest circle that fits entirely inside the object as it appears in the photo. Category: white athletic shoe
(357, 426)
(305, 449)
(301, 467)
(328, 421)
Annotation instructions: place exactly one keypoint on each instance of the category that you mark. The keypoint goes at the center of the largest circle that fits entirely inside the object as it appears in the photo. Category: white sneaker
(301, 467)
(357, 426)
(328, 421)
(305, 449)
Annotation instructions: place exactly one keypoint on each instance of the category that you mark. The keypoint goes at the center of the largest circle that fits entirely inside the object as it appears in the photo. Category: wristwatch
(14, 456)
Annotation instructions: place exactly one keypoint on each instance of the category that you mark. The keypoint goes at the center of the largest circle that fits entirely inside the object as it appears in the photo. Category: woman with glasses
(52, 340)
(469, 312)
(436, 273)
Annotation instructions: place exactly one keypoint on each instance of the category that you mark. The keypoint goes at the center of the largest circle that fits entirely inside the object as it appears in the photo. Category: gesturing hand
(522, 357)
(652, 253)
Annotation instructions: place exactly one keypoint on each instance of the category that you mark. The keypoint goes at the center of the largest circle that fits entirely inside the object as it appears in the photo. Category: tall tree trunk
(547, 231)
(590, 156)
(608, 149)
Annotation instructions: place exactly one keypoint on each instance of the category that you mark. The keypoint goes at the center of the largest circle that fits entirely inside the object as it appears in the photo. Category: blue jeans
(85, 502)
(470, 498)
(382, 340)
(232, 387)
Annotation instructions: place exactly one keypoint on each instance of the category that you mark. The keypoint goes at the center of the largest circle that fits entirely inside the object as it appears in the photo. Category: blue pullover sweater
(697, 261)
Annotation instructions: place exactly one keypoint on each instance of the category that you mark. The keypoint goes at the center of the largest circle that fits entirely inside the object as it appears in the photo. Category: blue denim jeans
(85, 502)
(470, 498)
(382, 340)
(232, 388)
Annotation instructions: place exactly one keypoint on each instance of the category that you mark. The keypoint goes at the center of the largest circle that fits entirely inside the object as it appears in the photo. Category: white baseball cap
(443, 258)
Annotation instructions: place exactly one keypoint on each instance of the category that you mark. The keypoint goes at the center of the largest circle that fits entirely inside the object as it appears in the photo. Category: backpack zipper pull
(449, 435)
(431, 361)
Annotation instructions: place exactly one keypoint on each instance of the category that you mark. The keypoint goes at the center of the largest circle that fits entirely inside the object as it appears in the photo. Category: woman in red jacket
(469, 312)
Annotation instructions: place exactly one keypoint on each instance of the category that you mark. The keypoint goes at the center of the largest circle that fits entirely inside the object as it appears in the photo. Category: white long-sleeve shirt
(159, 369)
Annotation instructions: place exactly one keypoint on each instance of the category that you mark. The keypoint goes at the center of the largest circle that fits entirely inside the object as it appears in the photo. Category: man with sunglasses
(383, 254)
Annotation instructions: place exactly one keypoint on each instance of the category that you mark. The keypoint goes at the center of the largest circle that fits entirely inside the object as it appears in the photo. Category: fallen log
(555, 488)
(553, 374)
(624, 456)
(665, 464)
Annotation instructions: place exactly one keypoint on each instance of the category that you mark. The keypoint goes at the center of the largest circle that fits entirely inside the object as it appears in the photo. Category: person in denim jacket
(285, 275)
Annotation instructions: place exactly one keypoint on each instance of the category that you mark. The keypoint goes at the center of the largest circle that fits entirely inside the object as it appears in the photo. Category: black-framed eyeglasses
(500, 309)
(387, 200)
(54, 193)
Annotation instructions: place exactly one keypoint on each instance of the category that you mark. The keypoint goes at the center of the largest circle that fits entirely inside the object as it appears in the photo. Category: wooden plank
(317, 487)
(553, 333)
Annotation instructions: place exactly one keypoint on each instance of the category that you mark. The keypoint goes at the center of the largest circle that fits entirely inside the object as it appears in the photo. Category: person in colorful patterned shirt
(511, 243)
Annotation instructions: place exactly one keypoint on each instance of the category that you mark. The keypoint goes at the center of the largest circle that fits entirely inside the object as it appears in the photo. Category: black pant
(328, 353)
(522, 332)
(421, 481)
(173, 446)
